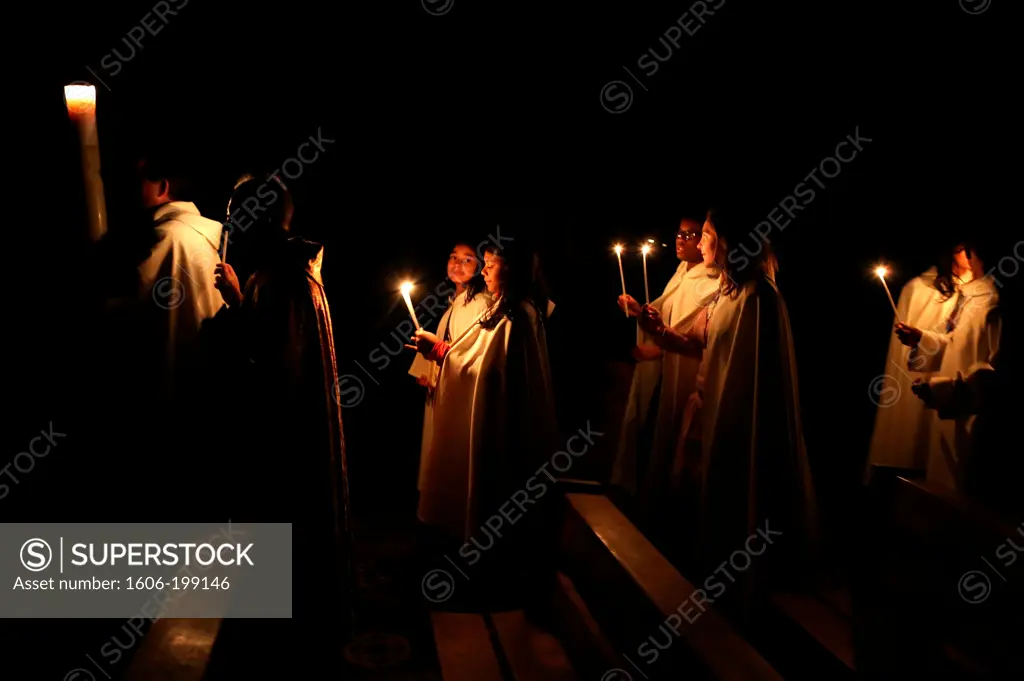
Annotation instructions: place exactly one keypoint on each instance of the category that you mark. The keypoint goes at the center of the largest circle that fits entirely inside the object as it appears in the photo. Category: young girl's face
(494, 272)
(462, 264)
(708, 243)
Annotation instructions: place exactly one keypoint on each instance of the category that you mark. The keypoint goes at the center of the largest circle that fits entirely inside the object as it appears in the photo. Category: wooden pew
(631, 592)
(935, 596)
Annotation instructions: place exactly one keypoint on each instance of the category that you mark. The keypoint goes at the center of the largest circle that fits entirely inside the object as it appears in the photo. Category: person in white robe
(668, 377)
(466, 307)
(959, 357)
(173, 286)
(755, 476)
(494, 412)
(153, 350)
(903, 425)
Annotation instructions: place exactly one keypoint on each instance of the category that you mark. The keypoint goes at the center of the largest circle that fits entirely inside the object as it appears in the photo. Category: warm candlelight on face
(406, 288)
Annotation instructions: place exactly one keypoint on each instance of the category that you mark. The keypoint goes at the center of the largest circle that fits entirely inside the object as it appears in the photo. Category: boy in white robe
(467, 306)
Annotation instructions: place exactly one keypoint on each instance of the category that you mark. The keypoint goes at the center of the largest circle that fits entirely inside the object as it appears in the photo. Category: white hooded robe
(972, 345)
(457, 320)
(672, 378)
(903, 425)
(493, 422)
(755, 467)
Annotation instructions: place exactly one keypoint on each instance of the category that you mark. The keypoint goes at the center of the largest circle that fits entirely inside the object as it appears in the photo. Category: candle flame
(406, 287)
(646, 249)
(881, 271)
(618, 249)
(80, 98)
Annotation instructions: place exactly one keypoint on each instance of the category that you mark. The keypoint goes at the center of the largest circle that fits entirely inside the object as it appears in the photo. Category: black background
(491, 115)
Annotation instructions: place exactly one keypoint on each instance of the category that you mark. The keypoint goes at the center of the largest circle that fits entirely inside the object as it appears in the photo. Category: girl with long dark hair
(753, 467)
(493, 405)
(466, 307)
(958, 359)
(902, 429)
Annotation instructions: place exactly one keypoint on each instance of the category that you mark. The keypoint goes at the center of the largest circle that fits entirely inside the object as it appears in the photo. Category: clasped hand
(650, 320)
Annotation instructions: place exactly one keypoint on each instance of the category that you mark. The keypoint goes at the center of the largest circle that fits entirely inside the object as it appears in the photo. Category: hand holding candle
(405, 289)
(618, 253)
(881, 271)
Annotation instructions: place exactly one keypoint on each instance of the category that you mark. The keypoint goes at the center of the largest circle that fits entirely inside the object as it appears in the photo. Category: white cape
(672, 377)
(903, 425)
(493, 422)
(457, 320)
(755, 466)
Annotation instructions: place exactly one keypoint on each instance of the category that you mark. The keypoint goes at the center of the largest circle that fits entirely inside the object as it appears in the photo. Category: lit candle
(406, 288)
(618, 254)
(647, 293)
(81, 104)
(881, 271)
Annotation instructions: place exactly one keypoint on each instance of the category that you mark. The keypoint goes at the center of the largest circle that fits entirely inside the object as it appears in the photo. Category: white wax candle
(81, 105)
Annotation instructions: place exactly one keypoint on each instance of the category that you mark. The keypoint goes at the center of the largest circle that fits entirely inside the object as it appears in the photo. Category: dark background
(491, 114)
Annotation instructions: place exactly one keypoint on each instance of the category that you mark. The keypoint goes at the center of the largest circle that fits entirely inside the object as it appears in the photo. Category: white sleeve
(926, 356)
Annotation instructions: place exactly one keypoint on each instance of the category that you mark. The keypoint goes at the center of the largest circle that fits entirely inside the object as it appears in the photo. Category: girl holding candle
(967, 344)
(752, 461)
(493, 405)
(671, 375)
(927, 302)
(466, 307)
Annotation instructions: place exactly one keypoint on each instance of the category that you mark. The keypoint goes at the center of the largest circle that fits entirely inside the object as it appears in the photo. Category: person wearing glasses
(662, 382)
(753, 469)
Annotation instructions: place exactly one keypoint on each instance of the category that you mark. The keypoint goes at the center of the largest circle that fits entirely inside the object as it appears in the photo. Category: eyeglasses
(689, 234)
